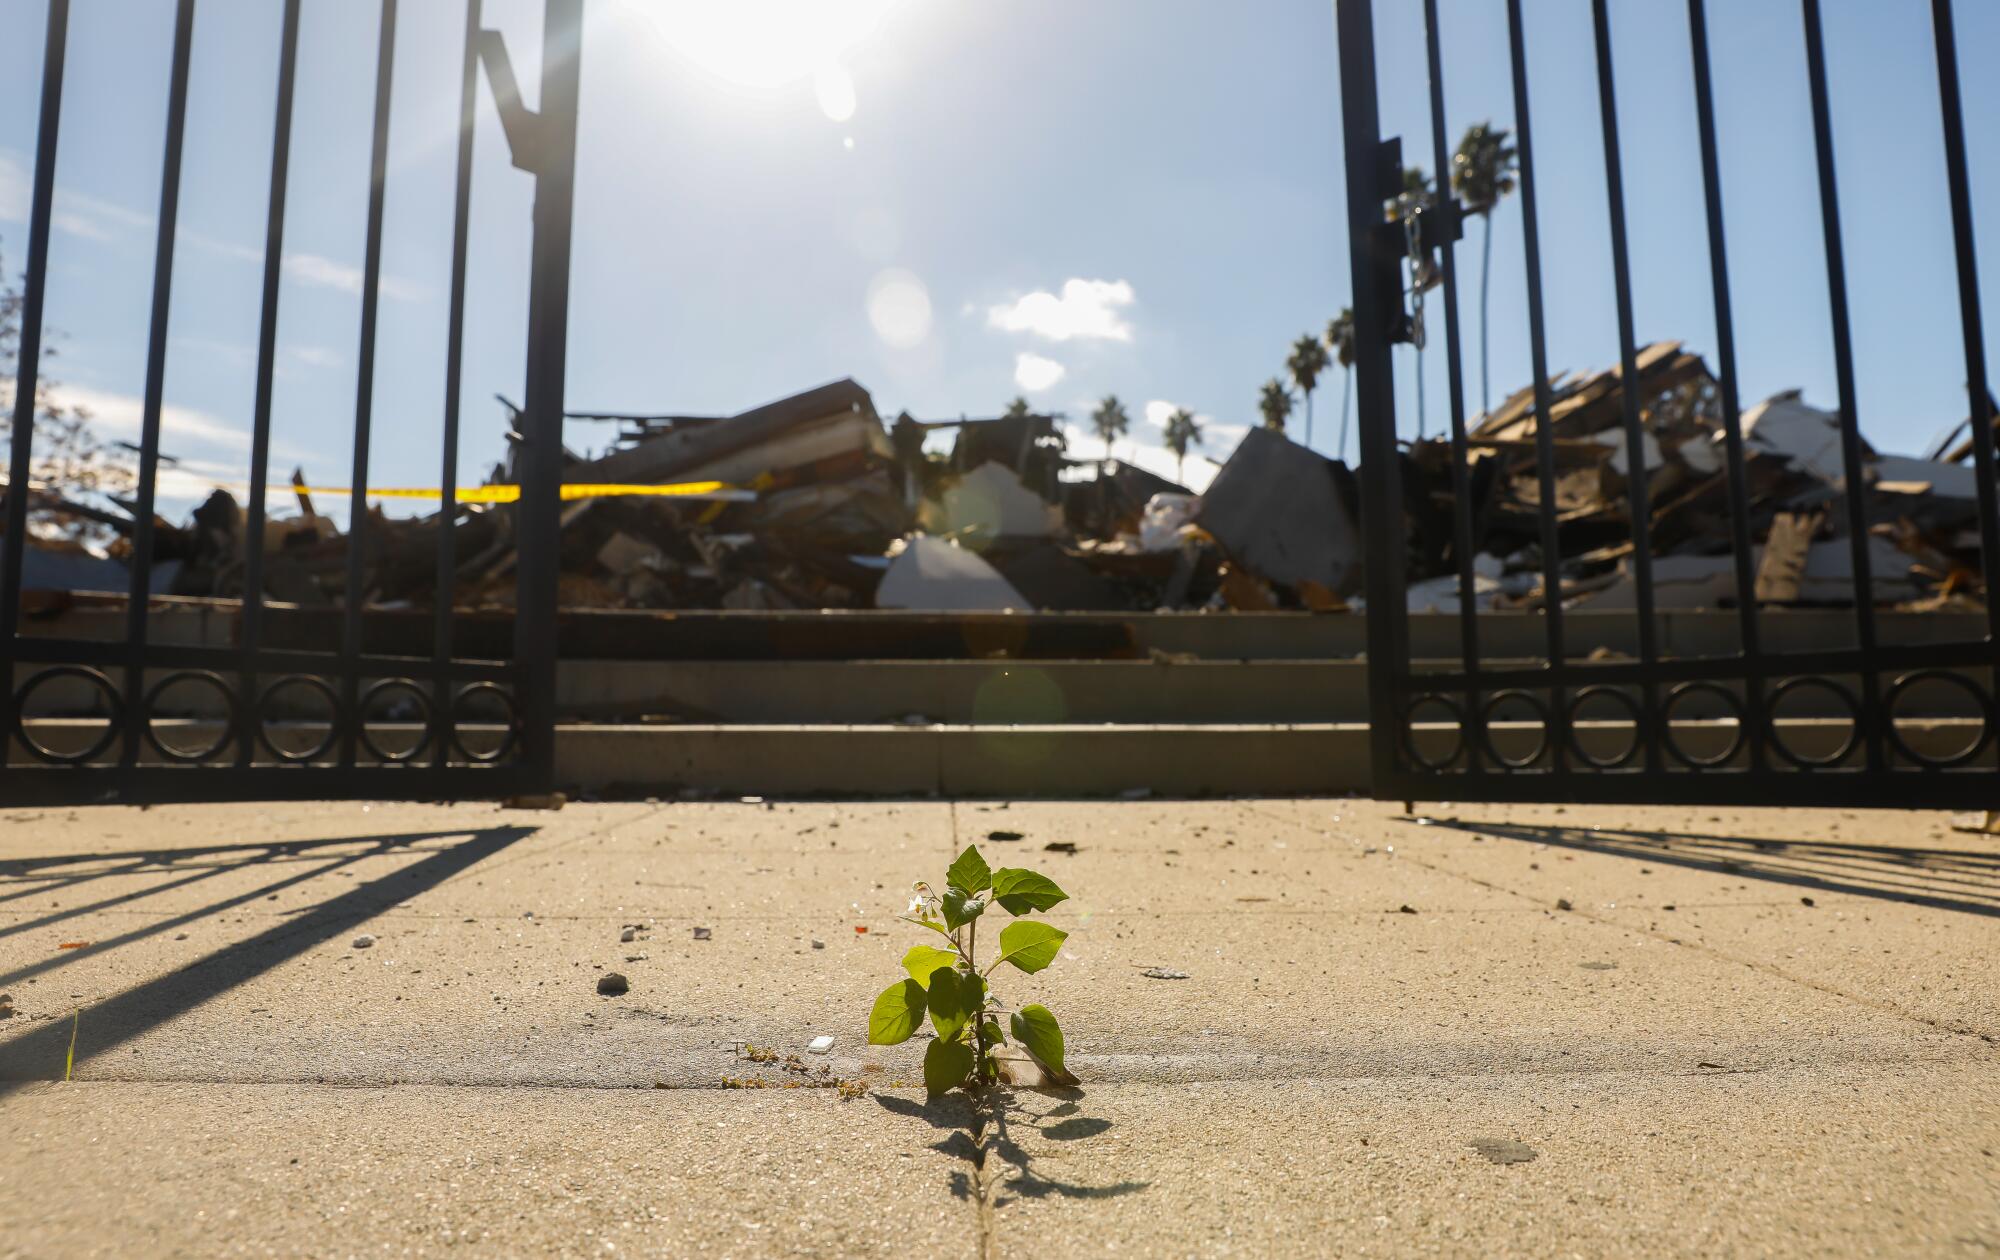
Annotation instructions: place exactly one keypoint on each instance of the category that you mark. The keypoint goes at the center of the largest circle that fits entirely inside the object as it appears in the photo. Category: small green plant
(950, 987)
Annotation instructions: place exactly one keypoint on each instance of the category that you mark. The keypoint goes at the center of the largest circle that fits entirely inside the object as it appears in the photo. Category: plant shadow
(990, 1127)
(1012, 1110)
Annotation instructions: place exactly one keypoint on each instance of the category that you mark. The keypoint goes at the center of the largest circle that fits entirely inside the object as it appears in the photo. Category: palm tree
(1017, 410)
(1110, 421)
(1482, 172)
(1183, 431)
(1275, 401)
(1307, 361)
(1340, 338)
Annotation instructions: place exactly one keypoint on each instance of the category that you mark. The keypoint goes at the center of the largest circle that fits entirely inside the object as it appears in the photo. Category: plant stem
(978, 1015)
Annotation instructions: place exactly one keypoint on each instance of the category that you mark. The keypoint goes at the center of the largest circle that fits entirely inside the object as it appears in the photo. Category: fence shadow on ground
(1960, 880)
(103, 1026)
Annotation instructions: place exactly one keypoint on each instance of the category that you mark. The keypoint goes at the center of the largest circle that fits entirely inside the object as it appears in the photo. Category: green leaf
(897, 1013)
(946, 1063)
(960, 909)
(1021, 891)
(994, 1037)
(953, 1000)
(922, 960)
(1036, 1029)
(969, 874)
(1029, 944)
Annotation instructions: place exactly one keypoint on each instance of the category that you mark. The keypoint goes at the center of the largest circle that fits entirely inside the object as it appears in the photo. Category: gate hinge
(523, 126)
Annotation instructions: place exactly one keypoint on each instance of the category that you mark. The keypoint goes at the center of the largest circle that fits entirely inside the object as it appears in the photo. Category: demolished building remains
(813, 501)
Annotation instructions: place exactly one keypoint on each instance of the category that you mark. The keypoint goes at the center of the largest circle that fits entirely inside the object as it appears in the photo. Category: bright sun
(771, 43)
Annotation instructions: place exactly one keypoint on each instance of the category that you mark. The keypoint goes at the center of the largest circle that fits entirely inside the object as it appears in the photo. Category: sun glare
(771, 43)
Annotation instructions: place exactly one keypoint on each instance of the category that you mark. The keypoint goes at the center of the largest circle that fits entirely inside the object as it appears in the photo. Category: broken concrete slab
(1285, 514)
(938, 575)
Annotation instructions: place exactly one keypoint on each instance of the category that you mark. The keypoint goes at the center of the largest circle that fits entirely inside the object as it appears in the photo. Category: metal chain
(1413, 247)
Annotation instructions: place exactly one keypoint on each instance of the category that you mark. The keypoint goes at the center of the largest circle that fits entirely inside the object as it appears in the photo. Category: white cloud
(95, 219)
(1033, 373)
(315, 356)
(75, 213)
(1087, 309)
(316, 269)
(122, 416)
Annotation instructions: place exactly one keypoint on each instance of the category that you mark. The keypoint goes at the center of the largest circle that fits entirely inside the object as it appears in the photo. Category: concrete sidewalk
(1495, 1031)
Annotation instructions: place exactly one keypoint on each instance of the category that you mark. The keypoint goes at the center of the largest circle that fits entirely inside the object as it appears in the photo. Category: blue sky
(946, 199)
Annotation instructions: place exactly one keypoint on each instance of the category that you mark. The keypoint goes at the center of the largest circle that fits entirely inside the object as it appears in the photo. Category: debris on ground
(702, 934)
(819, 1045)
(364, 941)
(813, 502)
(1163, 973)
(613, 984)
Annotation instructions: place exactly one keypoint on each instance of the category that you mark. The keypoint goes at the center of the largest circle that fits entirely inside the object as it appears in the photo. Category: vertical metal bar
(1373, 255)
(539, 513)
(1732, 409)
(28, 363)
(364, 396)
(1461, 490)
(447, 556)
(1854, 491)
(1545, 458)
(139, 596)
(1628, 366)
(248, 718)
(1970, 323)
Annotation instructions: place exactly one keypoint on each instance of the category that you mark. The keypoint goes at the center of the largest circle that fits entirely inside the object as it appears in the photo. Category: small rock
(818, 943)
(627, 937)
(702, 934)
(1060, 846)
(180, 936)
(612, 984)
(1599, 966)
(1163, 973)
(364, 941)
(1562, 903)
(1805, 901)
(536, 800)
(1003, 835)
(819, 1045)
(635, 958)
(1406, 908)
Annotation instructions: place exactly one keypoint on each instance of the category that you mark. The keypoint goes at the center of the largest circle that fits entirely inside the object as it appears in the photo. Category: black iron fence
(1831, 726)
(333, 719)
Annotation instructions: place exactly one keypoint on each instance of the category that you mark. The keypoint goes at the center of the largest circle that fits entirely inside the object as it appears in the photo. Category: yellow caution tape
(512, 494)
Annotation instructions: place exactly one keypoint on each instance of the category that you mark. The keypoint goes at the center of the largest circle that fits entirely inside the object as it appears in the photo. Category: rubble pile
(814, 502)
(1923, 543)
